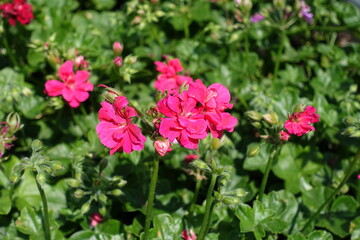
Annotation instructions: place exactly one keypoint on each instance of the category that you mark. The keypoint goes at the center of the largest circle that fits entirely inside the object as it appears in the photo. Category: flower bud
(79, 193)
(85, 207)
(217, 143)
(13, 119)
(271, 118)
(73, 182)
(103, 198)
(102, 210)
(201, 165)
(284, 136)
(253, 150)
(14, 177)
(279, 3)
(80, 62)
(36, 145)
(299, 108)
(57, 166)
(117, 48)
(118, 61)
(253, 115)
(230, 200)
(40, 177)
(103, 164)
(190, 157)
(162, 146)
(122, 183)
(240, 192)
(257, 125)
(117, 192)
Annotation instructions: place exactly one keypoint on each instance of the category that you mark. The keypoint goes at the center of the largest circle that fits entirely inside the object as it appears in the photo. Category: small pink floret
(162, 146)
(188, 236)
(73, 87)
(284, 136)
(96, 218)
(299, 122)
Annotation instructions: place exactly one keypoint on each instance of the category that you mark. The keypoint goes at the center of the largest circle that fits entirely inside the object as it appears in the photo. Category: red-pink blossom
(190, 157)
(116, 130)
(96, 218)
(169, 78)
(284, 135)
(183, 122)
(118, 61)
(117, 48)
(74, 87)
(162, 146)
(18, 10)
(80, 62)
(186, 236)
(299, 122)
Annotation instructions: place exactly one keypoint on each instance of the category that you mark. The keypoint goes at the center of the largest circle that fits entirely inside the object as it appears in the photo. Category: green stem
(151, 195)
(272, 156)
(351, 169)
(7, 47)
(278, 56)
(208, 208)
(196, 194)
(45, 211)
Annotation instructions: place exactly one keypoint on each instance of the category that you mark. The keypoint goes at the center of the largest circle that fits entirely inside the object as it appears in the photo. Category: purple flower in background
(256, 18)
(305, 12)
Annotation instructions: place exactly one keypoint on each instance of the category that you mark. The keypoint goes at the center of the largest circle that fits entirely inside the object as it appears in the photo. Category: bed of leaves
(269, 66)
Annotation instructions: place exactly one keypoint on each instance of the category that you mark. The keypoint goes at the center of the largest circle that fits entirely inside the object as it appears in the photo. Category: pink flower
(18, 10)
(80, 62)
(6, 138)
(162, 146)
(257, 17)
(96, 218)
(358, 176)
(305, 12)
(74, 87)
(299, 122)
(190, 157)
(214, 100)
(185, 235)
(117, 48)
(183, 122)
(168, 79)
(284, 136)
(116, 130)
(118, 61)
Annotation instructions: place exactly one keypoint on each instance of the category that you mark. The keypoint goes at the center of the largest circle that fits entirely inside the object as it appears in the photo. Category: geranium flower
(116, 130)
(18, 10)
(299, 122)
(74, 87)
(168, 79)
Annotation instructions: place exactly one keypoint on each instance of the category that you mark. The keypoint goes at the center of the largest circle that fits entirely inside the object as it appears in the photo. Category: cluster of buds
(144, 12)
(38, 163)
(8, 130)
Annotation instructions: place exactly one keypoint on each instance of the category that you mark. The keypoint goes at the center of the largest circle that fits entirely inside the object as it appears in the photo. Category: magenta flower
(184, 122)
(188, 236)
(190, 157)
(257, 17)
(6, 138)
(80, 62)
(18, 10)
(74, 87)
(284, 136)
(168, 79)
(299, 122)
(116, 130)
(118, 61)
(96, 218)
(305, 12)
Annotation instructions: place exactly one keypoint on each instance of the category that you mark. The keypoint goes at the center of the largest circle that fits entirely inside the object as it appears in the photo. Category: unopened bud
(117, 48)
(13, 119)
(253, 115)
(118, 61)
(299, 108)
(217, 143)
(240, 192)
(253, 150)
(257, 125)
(271, 118)
(162, 146)
(85, 207)
(103, 198)
(201, 165)
(103, 164)
(73, 182)
(57, 166)
(229, 200)
(122, 183)
(116, 192)
(40, 177)
(279, 3)
(79, 193)
(36, 145)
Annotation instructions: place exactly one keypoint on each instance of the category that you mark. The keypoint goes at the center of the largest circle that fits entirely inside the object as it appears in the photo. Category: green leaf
(5, 202)
(166, 227)
(110, 226)
(323, 235)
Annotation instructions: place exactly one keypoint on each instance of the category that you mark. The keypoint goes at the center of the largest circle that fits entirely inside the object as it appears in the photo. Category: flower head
(116, 130)
(169, 78)
(299, 122)
(257, 17)
(305, 12)
(18, 10)
(74, 87)
(96, 218)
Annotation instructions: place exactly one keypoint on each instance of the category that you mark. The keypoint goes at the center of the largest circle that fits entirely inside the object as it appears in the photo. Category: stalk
(196, 194)
(45, 211)
(7, 47)
(151, 195)
(272, 156)
(278, 55)
(350, 170)
(208, 208)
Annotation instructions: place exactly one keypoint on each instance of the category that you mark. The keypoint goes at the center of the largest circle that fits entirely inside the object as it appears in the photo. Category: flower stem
(45, 211)
(350, 170)
(7, 47)
(278, 55)
(150, 202)
(196, 194)
(273, 154)
(208, 208)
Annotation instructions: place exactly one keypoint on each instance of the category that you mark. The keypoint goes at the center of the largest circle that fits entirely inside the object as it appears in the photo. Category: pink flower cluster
(190, 115)
(116, 130)
(18, 10)
(6, 138)
(299, 123)
(169, 78)
(188, 235)
(74, 87)
(305, 12)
